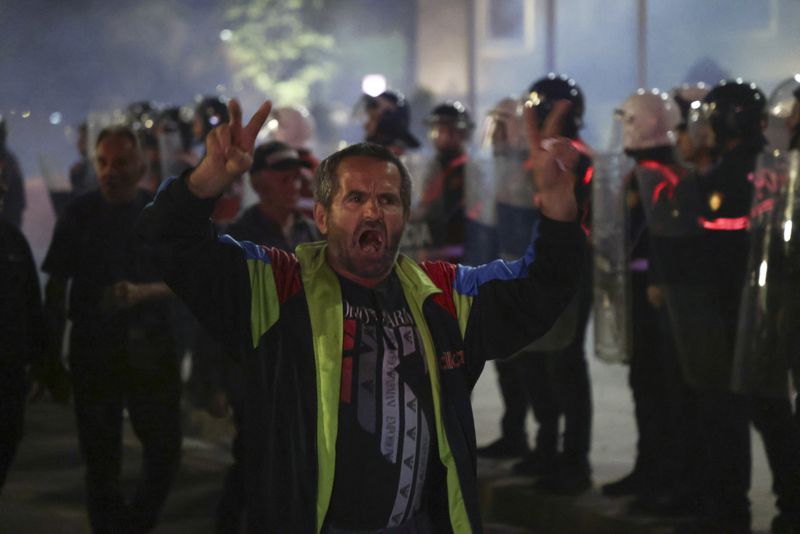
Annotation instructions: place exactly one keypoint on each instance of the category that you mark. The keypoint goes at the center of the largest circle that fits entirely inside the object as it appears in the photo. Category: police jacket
(282, 315)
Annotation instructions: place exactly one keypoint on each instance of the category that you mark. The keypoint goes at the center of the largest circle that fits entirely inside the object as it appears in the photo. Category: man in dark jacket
(359, 363)
(121, 350)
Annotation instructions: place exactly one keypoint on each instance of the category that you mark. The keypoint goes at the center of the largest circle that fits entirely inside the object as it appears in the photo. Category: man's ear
(321, 218)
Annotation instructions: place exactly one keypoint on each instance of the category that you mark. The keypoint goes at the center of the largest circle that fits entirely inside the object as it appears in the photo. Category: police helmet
(545, 92)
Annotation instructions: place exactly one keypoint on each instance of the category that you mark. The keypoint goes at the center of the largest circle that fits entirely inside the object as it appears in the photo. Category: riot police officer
(649, 122)
(557, 374)
(731, 120)
(767, 346)
(442, 205)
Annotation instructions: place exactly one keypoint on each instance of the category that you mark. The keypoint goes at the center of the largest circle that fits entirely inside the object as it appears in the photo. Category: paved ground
(613, 442)
(44, 492)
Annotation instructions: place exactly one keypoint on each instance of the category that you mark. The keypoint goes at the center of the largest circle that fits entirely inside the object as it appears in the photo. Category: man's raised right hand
(229, 152)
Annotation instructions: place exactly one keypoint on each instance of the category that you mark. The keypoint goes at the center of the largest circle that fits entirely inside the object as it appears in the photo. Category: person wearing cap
(276, 222)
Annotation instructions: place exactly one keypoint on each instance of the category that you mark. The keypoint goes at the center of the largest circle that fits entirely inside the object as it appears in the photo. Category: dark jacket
(282, 315)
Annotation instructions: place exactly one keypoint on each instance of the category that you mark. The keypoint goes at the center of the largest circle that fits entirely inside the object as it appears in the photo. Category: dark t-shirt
(386, 452)
(95, 245)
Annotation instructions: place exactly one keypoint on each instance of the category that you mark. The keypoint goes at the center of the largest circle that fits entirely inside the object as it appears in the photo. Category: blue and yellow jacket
(282, 315)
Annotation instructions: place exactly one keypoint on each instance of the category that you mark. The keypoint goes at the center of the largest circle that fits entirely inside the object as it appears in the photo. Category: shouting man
(360, 362)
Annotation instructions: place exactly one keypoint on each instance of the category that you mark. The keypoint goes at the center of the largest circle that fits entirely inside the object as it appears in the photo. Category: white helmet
(783, 109)
(649, 119)
(292, 125)
(504, 125)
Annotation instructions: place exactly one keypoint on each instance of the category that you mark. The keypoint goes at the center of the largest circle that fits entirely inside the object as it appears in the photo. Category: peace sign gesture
(229, 151)
(554, 159)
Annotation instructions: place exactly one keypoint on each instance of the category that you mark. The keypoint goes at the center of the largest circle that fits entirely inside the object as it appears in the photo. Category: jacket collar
(411, 275)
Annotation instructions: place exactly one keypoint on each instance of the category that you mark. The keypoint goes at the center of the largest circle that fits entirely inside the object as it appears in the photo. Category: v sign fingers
(229, 152)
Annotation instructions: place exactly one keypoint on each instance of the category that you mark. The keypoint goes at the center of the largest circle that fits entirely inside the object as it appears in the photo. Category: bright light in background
(225, 35)
(55, 118)
(26, 114)
(762, 274)
(272, 125)
(787, 231)
(340, 117)
(373, 84)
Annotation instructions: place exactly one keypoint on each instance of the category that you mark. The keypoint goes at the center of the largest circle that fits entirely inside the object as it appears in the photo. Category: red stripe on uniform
(736, 223)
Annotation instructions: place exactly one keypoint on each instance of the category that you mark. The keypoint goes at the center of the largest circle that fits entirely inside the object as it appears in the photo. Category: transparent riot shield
(612, 333)
(678, 266)
(769, 315)
(782, 104)
(417, 238)
(439, 226)
(174, 159)
(480, 237)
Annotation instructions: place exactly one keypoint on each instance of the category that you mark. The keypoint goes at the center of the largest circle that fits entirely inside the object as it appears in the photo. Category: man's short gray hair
(326, 179)
(119, 130)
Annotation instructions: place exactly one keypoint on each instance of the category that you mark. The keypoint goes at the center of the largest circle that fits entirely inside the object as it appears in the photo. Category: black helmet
(545, 92)
(142, 117)
(212, 112)
(393, 100)
(453, 113)
(177, 119)
(393, 123)
(736, 109)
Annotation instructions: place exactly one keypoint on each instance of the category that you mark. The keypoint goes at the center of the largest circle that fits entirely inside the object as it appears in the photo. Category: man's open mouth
(371, 240)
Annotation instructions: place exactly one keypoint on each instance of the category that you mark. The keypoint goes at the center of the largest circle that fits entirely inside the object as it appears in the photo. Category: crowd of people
(341, 318)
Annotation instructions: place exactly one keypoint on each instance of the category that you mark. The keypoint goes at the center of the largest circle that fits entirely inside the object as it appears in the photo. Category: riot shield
(417, 238)
(612, 333)
(174, 158)
(678, 268)
(480, 237)
(769, 315)
(781, 105)
(456, 204)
